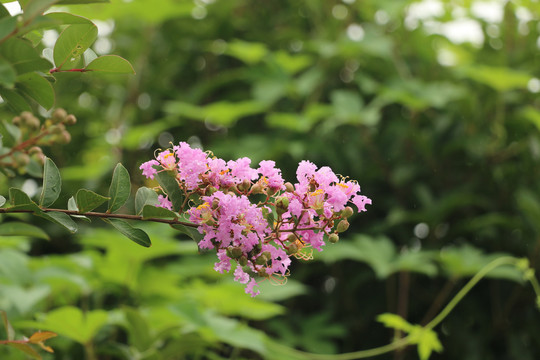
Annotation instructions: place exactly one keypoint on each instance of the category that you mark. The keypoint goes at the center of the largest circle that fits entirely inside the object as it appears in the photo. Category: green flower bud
(271, 191)
(59, 115)
(289, 187)
(347, 212)
(282, 205)
(210, 190)
(21, 159)
(261, 260)
(256, 189)
(236, 252)
(70, 120)
(244, 186)
(243, 261)
(262, 272)
(267, 255)
(342, 226)
(333, 238)
(292, 238)
(215, 204)
(64, 138)
(293, 249)
(248, 270)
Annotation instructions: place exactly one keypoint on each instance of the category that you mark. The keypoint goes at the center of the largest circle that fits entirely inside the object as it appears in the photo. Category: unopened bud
(347, 212)
(292, 249)
(243, 261)
(21, 159)
(33, 123)
(292, 238)
(59, 115)
(289, 187)
(342, 226)
(271, 191)
(282, 205)
(262, 272)
(244, 186)
(256, 189)
(64, 138)
(236, 252)
(267, 255)
(261, 260)
(210, 190)
(333, 238)
(215, 204)
(70, 120)
(16, 121)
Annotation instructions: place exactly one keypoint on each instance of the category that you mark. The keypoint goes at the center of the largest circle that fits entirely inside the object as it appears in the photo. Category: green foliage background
(443, 136)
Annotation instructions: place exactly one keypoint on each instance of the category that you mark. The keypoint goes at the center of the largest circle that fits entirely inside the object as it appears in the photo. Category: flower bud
(33, 123)
(261, 260)
(289, 187)
(248, 270)
(64, 138)
(282, 205)
(262, 272)
(210, 190)
(244, 186)
(58, 115)
(256, 189)
(243, 261)
(342, 226)
(267, 255)
(292, 238)
(333, 238)
(70, 120)
(271, 191)
(215, 204)
(21, 159)
(234, 252)
(292, 249)
(16, 121)
(347, 212)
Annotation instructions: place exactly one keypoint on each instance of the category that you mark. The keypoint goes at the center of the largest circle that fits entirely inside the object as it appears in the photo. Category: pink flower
(241, 170)
(249, 288)
(192, 164)
(361, 201)
(164, 202)
(148, 168)
(273, 175)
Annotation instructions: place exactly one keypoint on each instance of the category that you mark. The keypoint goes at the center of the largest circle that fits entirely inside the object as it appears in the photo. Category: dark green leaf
(134, 234)
(19, 197)
(23, 56)
(88, 200)
(120, 188)
(7, 25)
(167, 181)
(15, 101)
(192, 232)
(60, 219)
(111, 64)
(26, 349)
(3, 11)
(72, 43)
(22, 229)
(37, 88)
(7, 326)
(144, 196)
(150, 211)
(52, 184)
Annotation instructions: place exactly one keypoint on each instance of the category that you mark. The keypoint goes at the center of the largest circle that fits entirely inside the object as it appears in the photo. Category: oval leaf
(88, 200)
(144, 196)
(120, 188)
(7, 325)
(37, 88)
(167, 181)
(111, 64)
(22, 229)
(72, 205)
(150, 211)
(26, 349)
(52, 184)
(134, 234)
(7, 74)
(72, 43)
(192, 232)
(60, 219)
(18, 197)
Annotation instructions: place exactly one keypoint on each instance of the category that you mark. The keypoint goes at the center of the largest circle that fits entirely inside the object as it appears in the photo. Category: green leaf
(88, 200)
(192, 232)
(66, 2)
(15, 101)
(134, 234)
(37, 88)
(499, 78)
(23, 56)
(7, 326)
(67, 18)
(22, 229)
(394, 321)
(7, 25)
(111, 64)
(52, 184)
(144, 196)
(36, 7)
(60, 219)
(18, 197)
(427, 341)
(72, 206)
(167, 181)
(150, 211)
(27, 349)
(2, 200)
(120, 188)
(72, 43)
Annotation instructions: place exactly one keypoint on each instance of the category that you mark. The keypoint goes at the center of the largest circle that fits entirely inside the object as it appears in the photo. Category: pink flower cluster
(251, 216)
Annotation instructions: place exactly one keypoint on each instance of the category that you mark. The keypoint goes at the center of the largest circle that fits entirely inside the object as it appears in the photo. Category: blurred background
(433, 106)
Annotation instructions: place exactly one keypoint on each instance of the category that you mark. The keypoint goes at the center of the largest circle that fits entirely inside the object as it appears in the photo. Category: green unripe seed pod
(347, 212)
(342, 226)
(333, 238)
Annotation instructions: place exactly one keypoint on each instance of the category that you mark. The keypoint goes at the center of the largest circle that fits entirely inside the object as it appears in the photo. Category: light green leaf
(72, 43)
(111, 64)
(88, 200)
(66, 2)
(22, 229)
(249, 52)
(144, 196)
(134, 234)
(120, 188)
(499, 78)
(150, 211)
(37, 88)
(52, 184)
(7, 326)
(60, 219)
(27, 349)
(36, 7)
(167, 181)
(68, 18)
(394, 321)
(192, 232)
(7, 25)
(72, 205)
(2, 200)
(427, 341)
(15, 101)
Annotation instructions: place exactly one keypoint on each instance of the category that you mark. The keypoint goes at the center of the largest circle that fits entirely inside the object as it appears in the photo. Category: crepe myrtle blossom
(250, 216)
